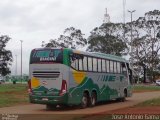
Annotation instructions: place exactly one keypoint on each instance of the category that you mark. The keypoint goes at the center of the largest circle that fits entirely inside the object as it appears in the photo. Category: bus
(70, 77)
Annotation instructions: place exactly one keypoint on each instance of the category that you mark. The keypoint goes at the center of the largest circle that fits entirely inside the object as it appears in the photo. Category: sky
(34, 21)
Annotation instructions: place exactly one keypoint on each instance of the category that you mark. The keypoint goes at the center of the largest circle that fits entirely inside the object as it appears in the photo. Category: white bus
(71, 77)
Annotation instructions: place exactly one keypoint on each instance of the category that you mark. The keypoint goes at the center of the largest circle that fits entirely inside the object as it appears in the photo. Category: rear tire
(84, 101)
(93, 99)
(50, 107)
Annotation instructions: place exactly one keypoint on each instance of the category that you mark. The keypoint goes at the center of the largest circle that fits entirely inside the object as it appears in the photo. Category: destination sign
(47, 55)
(48, 59)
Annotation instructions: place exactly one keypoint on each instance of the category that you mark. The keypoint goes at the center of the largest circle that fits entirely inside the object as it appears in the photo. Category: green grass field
(145, 88)
(152, 102)
(13, 94)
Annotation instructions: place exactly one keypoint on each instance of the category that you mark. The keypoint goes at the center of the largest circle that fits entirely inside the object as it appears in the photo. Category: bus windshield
(46, 55)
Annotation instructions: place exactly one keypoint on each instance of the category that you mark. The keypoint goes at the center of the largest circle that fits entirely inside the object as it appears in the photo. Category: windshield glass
(46, 55)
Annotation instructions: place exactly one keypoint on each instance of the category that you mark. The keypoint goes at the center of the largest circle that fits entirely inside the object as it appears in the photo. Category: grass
(12, 87)
(13, 94)
(145, 88)
(149, 103)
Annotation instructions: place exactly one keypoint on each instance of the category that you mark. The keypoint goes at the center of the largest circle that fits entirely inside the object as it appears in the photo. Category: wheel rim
(84, 101)
(93, 101)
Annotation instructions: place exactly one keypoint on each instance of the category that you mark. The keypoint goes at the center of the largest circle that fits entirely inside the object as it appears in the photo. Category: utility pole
(16, 66)
(131, 12)
(124, 21)
(21, 59)
(124, 11)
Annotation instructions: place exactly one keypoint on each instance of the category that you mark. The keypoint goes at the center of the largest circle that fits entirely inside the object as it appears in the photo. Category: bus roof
(102, 55)
(113, 57)
(94, 54)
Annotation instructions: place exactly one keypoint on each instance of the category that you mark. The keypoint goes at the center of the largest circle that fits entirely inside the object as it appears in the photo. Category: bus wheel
(84, 101)
(50, 107)
(93, 99)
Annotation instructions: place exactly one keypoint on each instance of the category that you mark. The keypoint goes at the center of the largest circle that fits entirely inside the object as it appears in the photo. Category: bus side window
(95, 65)
(76, 61)
(111, 66)
(85, 65)
(115, 67)
(90, 64)
(118, 67)
(99, 65)
(130, 74)
(80, 62)
(107, 66)
(103, 65)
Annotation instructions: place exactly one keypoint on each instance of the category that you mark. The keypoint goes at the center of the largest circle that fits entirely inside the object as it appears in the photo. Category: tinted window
(77, 61)
(47, 55)
(103, 65)
(99, 65)
(118, 67)
(115, 67)
(89, 64)
(95, 64)
(107, 66)
(85, 66)
(81, 64)
(111, 66)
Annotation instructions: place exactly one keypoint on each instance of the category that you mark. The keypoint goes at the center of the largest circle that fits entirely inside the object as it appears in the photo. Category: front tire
(93, 99)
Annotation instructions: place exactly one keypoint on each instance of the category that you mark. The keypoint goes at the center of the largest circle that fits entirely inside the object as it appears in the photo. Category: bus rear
(48, 77)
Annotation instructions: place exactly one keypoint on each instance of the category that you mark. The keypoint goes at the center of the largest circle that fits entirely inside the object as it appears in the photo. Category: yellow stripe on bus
(78, 76)
(35, 82)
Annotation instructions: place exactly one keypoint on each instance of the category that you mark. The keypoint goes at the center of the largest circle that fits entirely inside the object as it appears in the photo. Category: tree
(52, 43)
(107, 39)
(72, 38)
(114, 38)
(5, 56)
(146, 42)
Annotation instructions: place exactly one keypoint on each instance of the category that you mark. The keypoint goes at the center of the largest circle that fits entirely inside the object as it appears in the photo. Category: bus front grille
(46, 74)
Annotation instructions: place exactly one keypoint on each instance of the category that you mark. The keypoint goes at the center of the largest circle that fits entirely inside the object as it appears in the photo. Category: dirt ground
(130, 113)
(136, 110)
(113, 107)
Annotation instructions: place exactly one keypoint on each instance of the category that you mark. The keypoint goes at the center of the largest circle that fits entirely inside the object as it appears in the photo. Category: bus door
(130, 74)
(125, 78)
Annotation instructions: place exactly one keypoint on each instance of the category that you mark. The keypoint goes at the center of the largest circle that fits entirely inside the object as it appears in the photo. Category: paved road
(40, 109)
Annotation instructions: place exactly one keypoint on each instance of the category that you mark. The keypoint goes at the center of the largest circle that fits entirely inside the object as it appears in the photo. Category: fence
(16, 79)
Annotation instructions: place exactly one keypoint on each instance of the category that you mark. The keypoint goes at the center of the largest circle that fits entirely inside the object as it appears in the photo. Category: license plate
(38, 93)
(45, 99)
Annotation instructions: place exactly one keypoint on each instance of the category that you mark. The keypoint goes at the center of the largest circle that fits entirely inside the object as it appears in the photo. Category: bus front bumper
(55, 100)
